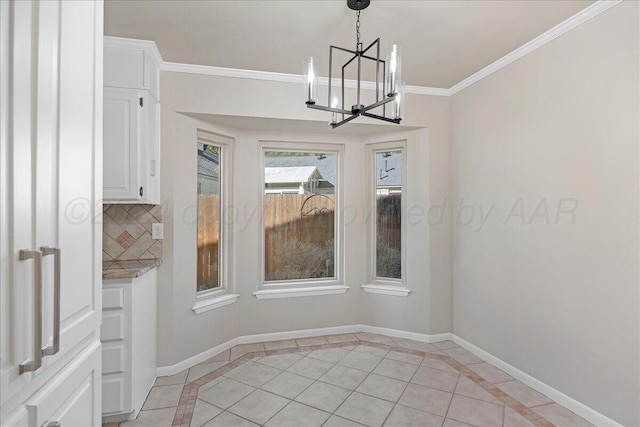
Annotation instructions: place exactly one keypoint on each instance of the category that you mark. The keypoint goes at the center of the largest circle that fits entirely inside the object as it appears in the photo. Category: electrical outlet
(157, 231)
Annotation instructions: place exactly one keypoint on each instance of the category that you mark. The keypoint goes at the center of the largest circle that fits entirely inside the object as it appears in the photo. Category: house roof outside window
(208, 163)
(388, 173)
(290, 174)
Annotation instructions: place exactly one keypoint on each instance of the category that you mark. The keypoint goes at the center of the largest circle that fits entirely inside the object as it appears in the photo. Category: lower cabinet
(66, 400)
(128, 338)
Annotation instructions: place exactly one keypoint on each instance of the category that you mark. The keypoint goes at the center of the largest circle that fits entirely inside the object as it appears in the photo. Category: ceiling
(443, 42)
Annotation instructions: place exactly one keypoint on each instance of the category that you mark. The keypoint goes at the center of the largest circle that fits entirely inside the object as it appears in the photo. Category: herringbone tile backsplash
(126, 232)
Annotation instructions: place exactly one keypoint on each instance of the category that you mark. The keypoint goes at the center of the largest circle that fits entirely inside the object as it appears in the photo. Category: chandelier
(388, 89)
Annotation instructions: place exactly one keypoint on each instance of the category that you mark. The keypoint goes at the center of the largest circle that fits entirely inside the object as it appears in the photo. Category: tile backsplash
(126, 232)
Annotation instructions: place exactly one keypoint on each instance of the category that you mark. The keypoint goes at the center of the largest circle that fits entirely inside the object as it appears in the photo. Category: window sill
(300, 292)
(213, 303)
(398, 291)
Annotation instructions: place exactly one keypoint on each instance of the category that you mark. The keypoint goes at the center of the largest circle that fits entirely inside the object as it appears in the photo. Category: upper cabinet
(131, 122)
(131, 67)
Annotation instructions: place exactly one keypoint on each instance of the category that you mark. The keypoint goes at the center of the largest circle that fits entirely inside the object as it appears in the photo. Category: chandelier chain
(358, 30)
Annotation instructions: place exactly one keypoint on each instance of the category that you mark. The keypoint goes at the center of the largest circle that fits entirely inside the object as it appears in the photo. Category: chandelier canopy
(388, 90)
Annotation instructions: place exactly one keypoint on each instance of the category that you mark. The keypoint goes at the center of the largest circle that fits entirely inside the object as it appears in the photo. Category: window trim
(375, 284)
(224, 294)
(305, 287)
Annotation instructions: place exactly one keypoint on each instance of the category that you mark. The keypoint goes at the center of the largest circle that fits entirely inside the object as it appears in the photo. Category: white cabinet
(50, 191)
(128, 337)
(131, 126)
(130, 146)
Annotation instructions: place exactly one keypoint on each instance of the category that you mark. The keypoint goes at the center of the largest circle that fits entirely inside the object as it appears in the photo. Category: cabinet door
(122, 145)
(51, 152)
(68, 398)
(27, 191)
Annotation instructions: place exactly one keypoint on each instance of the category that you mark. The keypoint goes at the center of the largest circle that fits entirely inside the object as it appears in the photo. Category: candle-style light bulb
(334, 104)
(398, 103)
(310, 81)
(394, 73)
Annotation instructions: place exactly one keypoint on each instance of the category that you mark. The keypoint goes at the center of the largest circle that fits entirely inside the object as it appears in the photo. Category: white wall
(181, 333)
(558, 300)
(556, 129)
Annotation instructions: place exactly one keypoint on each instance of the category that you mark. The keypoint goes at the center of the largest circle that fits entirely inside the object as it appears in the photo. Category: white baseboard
(553, 394)
(405, 334)
(289, 335)
(584, 411)
(162, 371)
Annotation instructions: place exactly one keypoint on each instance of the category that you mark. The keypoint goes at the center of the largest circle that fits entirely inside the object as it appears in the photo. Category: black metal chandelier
(388, 90)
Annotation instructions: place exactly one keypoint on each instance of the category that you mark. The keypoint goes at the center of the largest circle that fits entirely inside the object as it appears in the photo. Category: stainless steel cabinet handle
(32, 365)
(50, 350)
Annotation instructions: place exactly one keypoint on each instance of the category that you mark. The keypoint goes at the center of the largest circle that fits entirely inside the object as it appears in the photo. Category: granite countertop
(112, 270)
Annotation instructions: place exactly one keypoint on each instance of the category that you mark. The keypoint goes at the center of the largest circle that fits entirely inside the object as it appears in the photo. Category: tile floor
(347, 380)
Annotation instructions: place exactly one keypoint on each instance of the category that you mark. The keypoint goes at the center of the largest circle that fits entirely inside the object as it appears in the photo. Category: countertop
(112, 270)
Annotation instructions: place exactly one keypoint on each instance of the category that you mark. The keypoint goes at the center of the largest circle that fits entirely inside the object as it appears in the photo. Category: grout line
(451, 401)
(354, 390)
(397, 402)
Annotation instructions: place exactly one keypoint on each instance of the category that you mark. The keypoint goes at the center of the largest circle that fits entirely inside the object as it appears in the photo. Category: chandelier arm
(353, 52)
(371, 58)
(348, 119)
(331, 109)
(349, 61)
(330, 85)
(379, 103)
(378, 70)
(386, 119)
(371, 45)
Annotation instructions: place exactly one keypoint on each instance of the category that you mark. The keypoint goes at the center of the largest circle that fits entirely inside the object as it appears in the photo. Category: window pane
(209, 180)
(388, 213)
(299, 212)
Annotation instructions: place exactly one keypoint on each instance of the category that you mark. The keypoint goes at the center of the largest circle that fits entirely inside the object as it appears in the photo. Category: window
(388, 214)
(387, 175)
(213, 278)
(209, 204)
(301, 244)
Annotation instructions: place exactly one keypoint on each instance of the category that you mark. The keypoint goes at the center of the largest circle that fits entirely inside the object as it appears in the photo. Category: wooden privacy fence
(208, 235)
(298, 236)
(388, 220)
(299, 230)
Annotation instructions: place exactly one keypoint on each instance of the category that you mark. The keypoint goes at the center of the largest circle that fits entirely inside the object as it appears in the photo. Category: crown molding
(208, 70)
(579, 18)
(126, 43)
(284, 78)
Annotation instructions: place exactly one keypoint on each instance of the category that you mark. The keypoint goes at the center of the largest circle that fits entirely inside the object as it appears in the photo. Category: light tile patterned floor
(347, 380)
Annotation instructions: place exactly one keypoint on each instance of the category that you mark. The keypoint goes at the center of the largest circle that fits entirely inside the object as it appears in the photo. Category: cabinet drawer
(113, 357)
(112, 298)
(112, 394)
(112, 326)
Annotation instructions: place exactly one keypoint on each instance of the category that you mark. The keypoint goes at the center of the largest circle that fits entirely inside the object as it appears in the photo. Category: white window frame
(224, 294)
(375, 284)
(305, 287)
